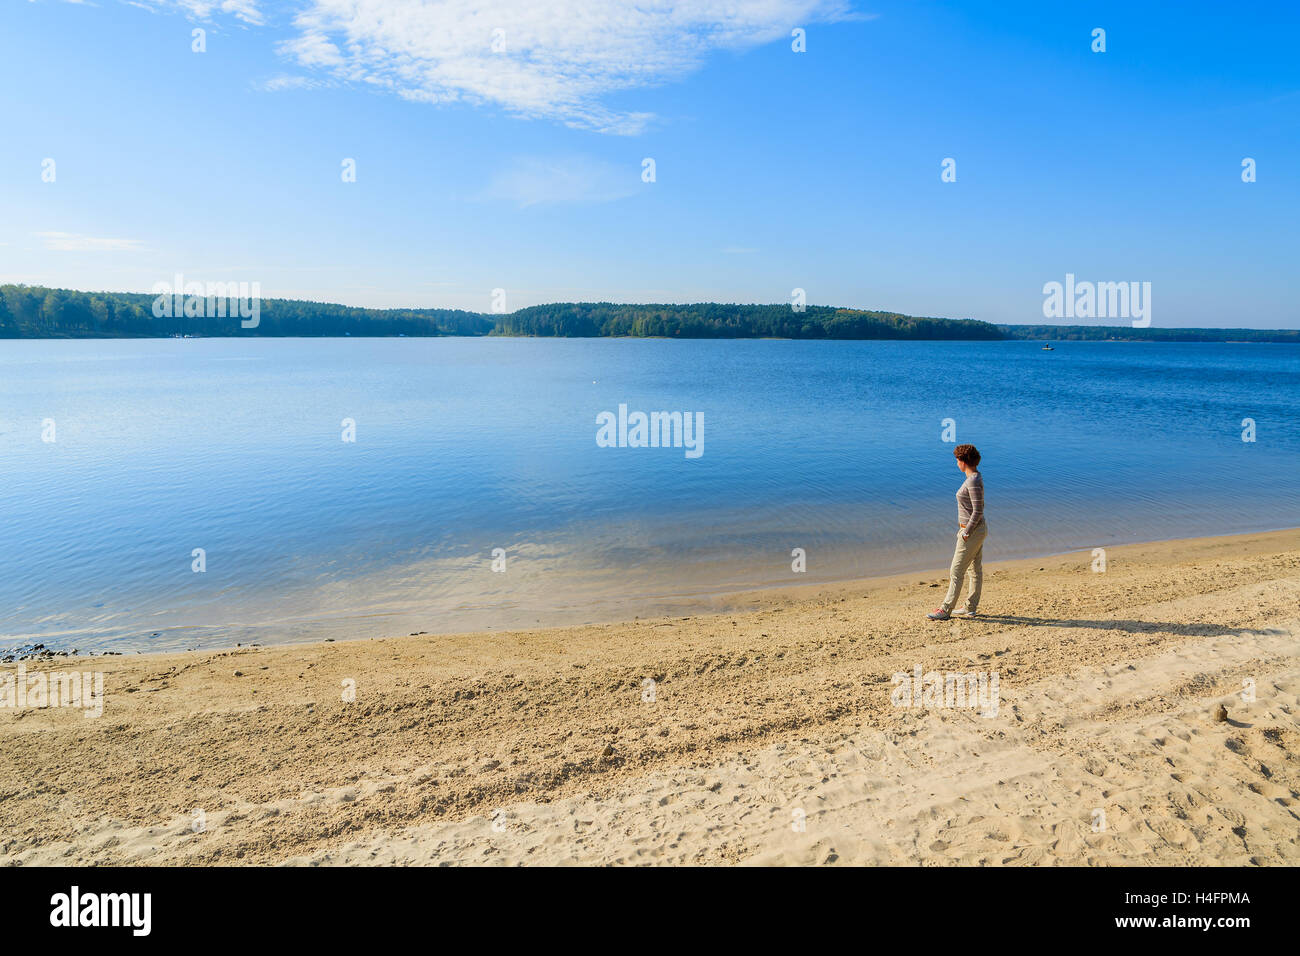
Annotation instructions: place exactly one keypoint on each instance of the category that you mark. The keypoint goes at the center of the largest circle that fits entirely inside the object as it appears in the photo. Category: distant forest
(35, 312)
(38, 312)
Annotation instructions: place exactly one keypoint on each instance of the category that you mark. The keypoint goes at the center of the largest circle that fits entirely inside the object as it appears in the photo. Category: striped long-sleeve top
(970, 501)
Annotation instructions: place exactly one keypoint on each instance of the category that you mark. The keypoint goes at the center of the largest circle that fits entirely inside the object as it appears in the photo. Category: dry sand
(771, 739)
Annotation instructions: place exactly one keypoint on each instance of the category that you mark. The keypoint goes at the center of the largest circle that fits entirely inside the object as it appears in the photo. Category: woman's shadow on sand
(1128, 626)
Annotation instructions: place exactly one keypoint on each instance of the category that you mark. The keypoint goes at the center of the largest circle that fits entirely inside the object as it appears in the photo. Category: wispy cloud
(542, 59)
(281, 82)
(75, 242)
(249, 11)
(530, 180)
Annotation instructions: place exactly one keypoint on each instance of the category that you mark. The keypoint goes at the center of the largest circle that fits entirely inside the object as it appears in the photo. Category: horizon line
(1046, 323)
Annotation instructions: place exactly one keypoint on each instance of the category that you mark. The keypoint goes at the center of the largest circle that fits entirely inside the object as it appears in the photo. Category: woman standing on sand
(972, 529)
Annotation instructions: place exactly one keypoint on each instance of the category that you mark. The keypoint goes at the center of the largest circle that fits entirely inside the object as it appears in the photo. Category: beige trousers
(969, 555)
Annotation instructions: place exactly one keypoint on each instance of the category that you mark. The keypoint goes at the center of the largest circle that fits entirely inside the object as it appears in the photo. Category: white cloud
(530, 180)
(560, 58)
(313, 49)
(547, 59)
(74, 242)
(247, 10)
(283, 82)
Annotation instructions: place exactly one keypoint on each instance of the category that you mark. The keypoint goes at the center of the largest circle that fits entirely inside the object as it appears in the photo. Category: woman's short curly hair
(968, 454)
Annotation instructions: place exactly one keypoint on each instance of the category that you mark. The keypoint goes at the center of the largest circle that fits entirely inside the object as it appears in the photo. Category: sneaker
(938, 614)
(963, 612)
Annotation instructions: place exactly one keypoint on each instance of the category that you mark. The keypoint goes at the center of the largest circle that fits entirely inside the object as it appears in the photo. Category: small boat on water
(1047, 348)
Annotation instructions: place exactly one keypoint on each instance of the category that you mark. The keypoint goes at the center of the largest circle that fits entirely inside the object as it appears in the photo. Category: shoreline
(721, 600)
(549, 746)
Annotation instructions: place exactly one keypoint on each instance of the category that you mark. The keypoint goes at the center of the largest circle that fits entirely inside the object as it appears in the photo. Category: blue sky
(521, 168)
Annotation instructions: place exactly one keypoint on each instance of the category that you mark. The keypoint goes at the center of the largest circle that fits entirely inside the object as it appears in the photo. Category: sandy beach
(765, 735)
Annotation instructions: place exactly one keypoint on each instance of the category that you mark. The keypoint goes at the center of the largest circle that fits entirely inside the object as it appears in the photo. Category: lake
(466, 445)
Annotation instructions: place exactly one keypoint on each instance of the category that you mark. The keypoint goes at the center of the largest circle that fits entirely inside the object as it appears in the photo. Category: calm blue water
(466, 445)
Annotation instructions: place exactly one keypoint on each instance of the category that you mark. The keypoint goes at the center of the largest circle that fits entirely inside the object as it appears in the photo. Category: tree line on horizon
(715, 320)
(40, 312)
